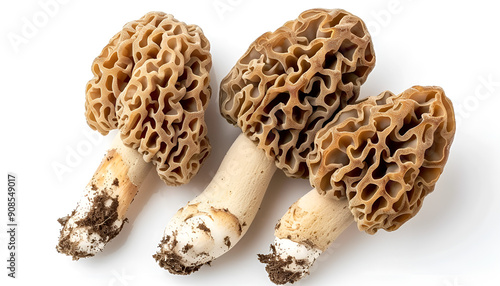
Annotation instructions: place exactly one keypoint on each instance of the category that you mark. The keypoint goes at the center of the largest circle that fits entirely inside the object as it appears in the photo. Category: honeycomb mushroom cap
(385, 154)
(292, 81)
(152, 83)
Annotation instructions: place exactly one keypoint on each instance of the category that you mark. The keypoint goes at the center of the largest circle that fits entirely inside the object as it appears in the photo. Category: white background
(453, 241)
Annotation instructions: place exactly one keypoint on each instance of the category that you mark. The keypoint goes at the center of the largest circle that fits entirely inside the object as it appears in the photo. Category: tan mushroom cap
(152, 83)
(385, 154)
(290, 82)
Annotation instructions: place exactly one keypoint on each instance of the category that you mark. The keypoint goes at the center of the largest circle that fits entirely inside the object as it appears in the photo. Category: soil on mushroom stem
(99, 220)
(172, 261)
(275, 267)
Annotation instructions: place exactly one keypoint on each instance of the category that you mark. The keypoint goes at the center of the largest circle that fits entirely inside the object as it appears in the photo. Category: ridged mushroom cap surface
(152, 83)
(385, 154)
(291, 82)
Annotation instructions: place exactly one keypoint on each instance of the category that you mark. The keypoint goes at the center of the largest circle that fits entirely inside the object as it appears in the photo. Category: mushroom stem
(309, 226)
(215, 220)
(100, 213)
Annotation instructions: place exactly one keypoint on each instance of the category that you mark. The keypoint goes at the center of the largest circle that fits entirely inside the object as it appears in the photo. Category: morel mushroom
(373, 164)
(287, 86)
(152, 83)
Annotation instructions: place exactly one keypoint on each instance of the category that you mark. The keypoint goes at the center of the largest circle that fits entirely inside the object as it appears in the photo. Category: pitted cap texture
(385, 154)
(292, 81)
(152, 83)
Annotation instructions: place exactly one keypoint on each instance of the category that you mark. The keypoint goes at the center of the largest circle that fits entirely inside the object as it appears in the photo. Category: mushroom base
(212, 223)
(289, 261)
(306, 230)
(100, 213)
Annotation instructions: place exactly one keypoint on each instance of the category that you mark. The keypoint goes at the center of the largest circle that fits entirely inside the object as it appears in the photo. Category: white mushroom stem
(309, 226)
(100, 213)
(212, 223)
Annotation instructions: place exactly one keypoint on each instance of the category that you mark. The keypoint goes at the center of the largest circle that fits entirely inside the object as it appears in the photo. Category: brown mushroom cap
(152, 83)
(385, 154)
(290, 82)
